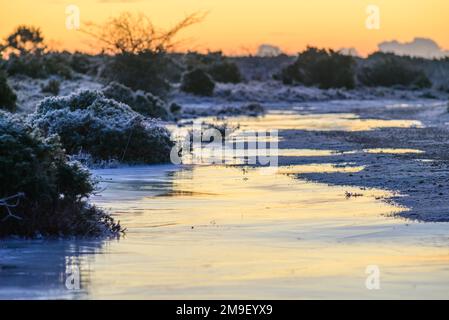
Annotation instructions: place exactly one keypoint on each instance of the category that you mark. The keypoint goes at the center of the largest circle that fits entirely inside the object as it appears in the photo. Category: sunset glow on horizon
(239, 27)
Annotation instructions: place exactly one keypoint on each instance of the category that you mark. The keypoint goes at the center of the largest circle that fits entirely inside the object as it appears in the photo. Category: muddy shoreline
(420, 180)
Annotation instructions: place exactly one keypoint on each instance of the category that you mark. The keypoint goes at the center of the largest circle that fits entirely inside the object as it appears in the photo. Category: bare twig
(8, 206)
(129, 33)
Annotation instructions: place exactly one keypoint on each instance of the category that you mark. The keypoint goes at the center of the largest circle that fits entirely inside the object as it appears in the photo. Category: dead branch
(8, 206)
(129, 33)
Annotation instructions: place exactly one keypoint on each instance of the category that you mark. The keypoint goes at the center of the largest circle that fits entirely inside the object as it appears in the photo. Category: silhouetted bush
(320, 67)
(30, 65)
(52, 87)
(139, 50)
(197, 82)
(42, 194)
(142, 71)
(175, 108)
(215, 64)
(389, 70)
(88, 122)
(80, 62)
(7, 96)
(225, 72)
(39, 65)
(27, 55)
(143, 102)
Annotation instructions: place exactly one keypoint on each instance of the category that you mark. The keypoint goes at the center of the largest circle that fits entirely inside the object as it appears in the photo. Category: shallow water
(217, 231)
(282, 120)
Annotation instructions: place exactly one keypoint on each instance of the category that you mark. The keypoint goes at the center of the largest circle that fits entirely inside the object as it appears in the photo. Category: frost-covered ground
(29, 91)
(274, 93)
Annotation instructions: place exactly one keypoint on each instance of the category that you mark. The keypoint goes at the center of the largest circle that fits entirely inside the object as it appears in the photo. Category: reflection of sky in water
(239, 232)
(321, 122)
(36, 269)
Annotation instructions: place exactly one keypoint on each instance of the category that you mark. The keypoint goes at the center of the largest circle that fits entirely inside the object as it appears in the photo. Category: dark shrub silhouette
(52, 87)
(25, 40)
(216, 65)
(40, 65)
(226, 72)
(28, 56)
(388, 70)
(81, 63)
(320, 67)
(7, 96)
(197, 82)
(139, 50)
(141, 71)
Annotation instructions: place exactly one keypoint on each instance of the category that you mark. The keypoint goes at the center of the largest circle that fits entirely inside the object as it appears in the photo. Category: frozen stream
(216, 231)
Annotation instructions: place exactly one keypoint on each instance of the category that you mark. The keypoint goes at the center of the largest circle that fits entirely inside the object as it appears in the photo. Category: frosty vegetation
(88, 122)
(42, 193)
(52, 87)
(140, 101)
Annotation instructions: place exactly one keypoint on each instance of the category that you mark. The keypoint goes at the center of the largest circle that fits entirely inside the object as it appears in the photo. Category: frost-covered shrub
(52, 86)
(389, 70)
(197, 82)
(42, 193)
(320, 67)
(143, 102)
(89, 122)
(7, 96)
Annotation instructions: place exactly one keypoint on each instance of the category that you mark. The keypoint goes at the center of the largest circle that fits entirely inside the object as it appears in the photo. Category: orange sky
(239, 26)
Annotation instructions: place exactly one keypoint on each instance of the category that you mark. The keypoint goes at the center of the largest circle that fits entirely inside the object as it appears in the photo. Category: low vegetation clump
(52, 86)
(142, 102)
(82, 63)
(139, 50)
(198, 83)
(139, 71)
(42, 193)
(28, 55)
(39, 65)
(88, 122)
(216, 65)
(390, 70)
(7, 96)
(175, 108)
(320, 67)
(225, 72)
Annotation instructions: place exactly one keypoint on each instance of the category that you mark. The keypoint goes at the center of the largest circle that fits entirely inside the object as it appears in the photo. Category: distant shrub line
(329, 69)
